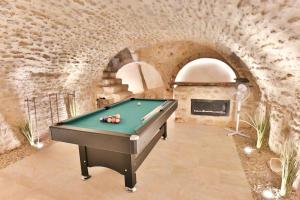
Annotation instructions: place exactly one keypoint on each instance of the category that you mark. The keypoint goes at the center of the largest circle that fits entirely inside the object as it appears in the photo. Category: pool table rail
(92, 138)
(92, 113)
(149, 129)
(105, 108)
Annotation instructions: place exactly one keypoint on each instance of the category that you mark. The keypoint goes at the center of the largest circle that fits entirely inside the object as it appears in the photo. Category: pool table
(123, 146)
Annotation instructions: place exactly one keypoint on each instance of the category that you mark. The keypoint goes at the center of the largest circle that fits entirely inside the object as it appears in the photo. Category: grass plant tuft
(70, 106)
(260, 122)
(26, 128)
(289, 166)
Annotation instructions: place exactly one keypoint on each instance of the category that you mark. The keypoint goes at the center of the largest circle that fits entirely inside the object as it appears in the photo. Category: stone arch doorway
(140, 77)
(125, 77)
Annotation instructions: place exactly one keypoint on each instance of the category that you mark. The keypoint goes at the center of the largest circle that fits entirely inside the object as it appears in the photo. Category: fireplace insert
(210, 107)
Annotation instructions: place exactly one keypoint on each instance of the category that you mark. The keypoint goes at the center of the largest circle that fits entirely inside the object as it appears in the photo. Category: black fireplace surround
(210, 107)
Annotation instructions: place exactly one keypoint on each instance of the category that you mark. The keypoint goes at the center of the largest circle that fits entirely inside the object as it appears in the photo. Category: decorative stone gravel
(256, 167)
(19, 153)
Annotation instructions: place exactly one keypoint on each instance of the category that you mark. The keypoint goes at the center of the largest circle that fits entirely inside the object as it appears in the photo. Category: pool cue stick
(153, 112)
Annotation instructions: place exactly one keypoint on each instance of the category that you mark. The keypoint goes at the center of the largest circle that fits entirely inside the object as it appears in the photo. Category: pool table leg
(84, 163)
(164, 135)
(130, 176)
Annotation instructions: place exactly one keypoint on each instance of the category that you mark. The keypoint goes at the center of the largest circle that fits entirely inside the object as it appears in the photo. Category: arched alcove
(206, 70)
(205, 83)
(140, 76)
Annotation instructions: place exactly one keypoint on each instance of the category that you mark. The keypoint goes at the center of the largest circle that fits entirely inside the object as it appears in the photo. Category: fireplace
(210, 107)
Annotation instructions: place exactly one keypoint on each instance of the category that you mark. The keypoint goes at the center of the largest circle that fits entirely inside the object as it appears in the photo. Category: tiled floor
(196, 162)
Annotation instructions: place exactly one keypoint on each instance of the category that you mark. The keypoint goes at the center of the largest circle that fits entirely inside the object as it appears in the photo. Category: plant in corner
(289, 165)
(70, 106)
(26, 128)
(260, 122)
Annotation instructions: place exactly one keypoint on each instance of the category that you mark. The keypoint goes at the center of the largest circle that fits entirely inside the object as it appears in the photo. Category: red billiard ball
(118, 120)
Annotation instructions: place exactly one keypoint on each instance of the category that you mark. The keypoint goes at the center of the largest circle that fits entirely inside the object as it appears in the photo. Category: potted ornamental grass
(26, 129)
(289, 166)
(260, 122)
(70, 107)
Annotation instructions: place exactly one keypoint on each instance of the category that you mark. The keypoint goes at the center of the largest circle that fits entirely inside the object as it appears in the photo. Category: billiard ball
(113, 120)
(103, 119)
(118, 120)
(139, 103)
(118, 116)
(109, 119)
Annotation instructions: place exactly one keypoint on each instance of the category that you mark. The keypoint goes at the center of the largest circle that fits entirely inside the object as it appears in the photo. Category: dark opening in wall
(210, 107)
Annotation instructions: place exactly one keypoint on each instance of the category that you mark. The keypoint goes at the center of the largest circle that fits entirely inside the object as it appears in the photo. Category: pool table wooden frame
(123, 153)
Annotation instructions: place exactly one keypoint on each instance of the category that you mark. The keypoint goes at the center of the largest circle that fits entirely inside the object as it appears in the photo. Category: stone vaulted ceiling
(50, 45)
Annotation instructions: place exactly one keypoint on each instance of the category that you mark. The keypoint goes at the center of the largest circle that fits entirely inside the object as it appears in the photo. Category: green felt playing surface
(131, 115)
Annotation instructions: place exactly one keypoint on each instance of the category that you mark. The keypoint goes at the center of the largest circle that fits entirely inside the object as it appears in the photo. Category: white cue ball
(139, 103)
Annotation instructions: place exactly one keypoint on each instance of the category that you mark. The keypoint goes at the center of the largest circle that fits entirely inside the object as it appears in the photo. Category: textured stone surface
(8, 140)
(184, 94)
(49, 46)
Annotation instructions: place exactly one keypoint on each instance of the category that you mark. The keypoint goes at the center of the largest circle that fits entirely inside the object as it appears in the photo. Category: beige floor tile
(195, 163)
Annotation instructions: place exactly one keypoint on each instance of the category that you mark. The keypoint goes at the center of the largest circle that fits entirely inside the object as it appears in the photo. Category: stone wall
(170, 57)
(184, 94)
(39, 55)
(50, 46)
(120, 59)
(8, 139)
